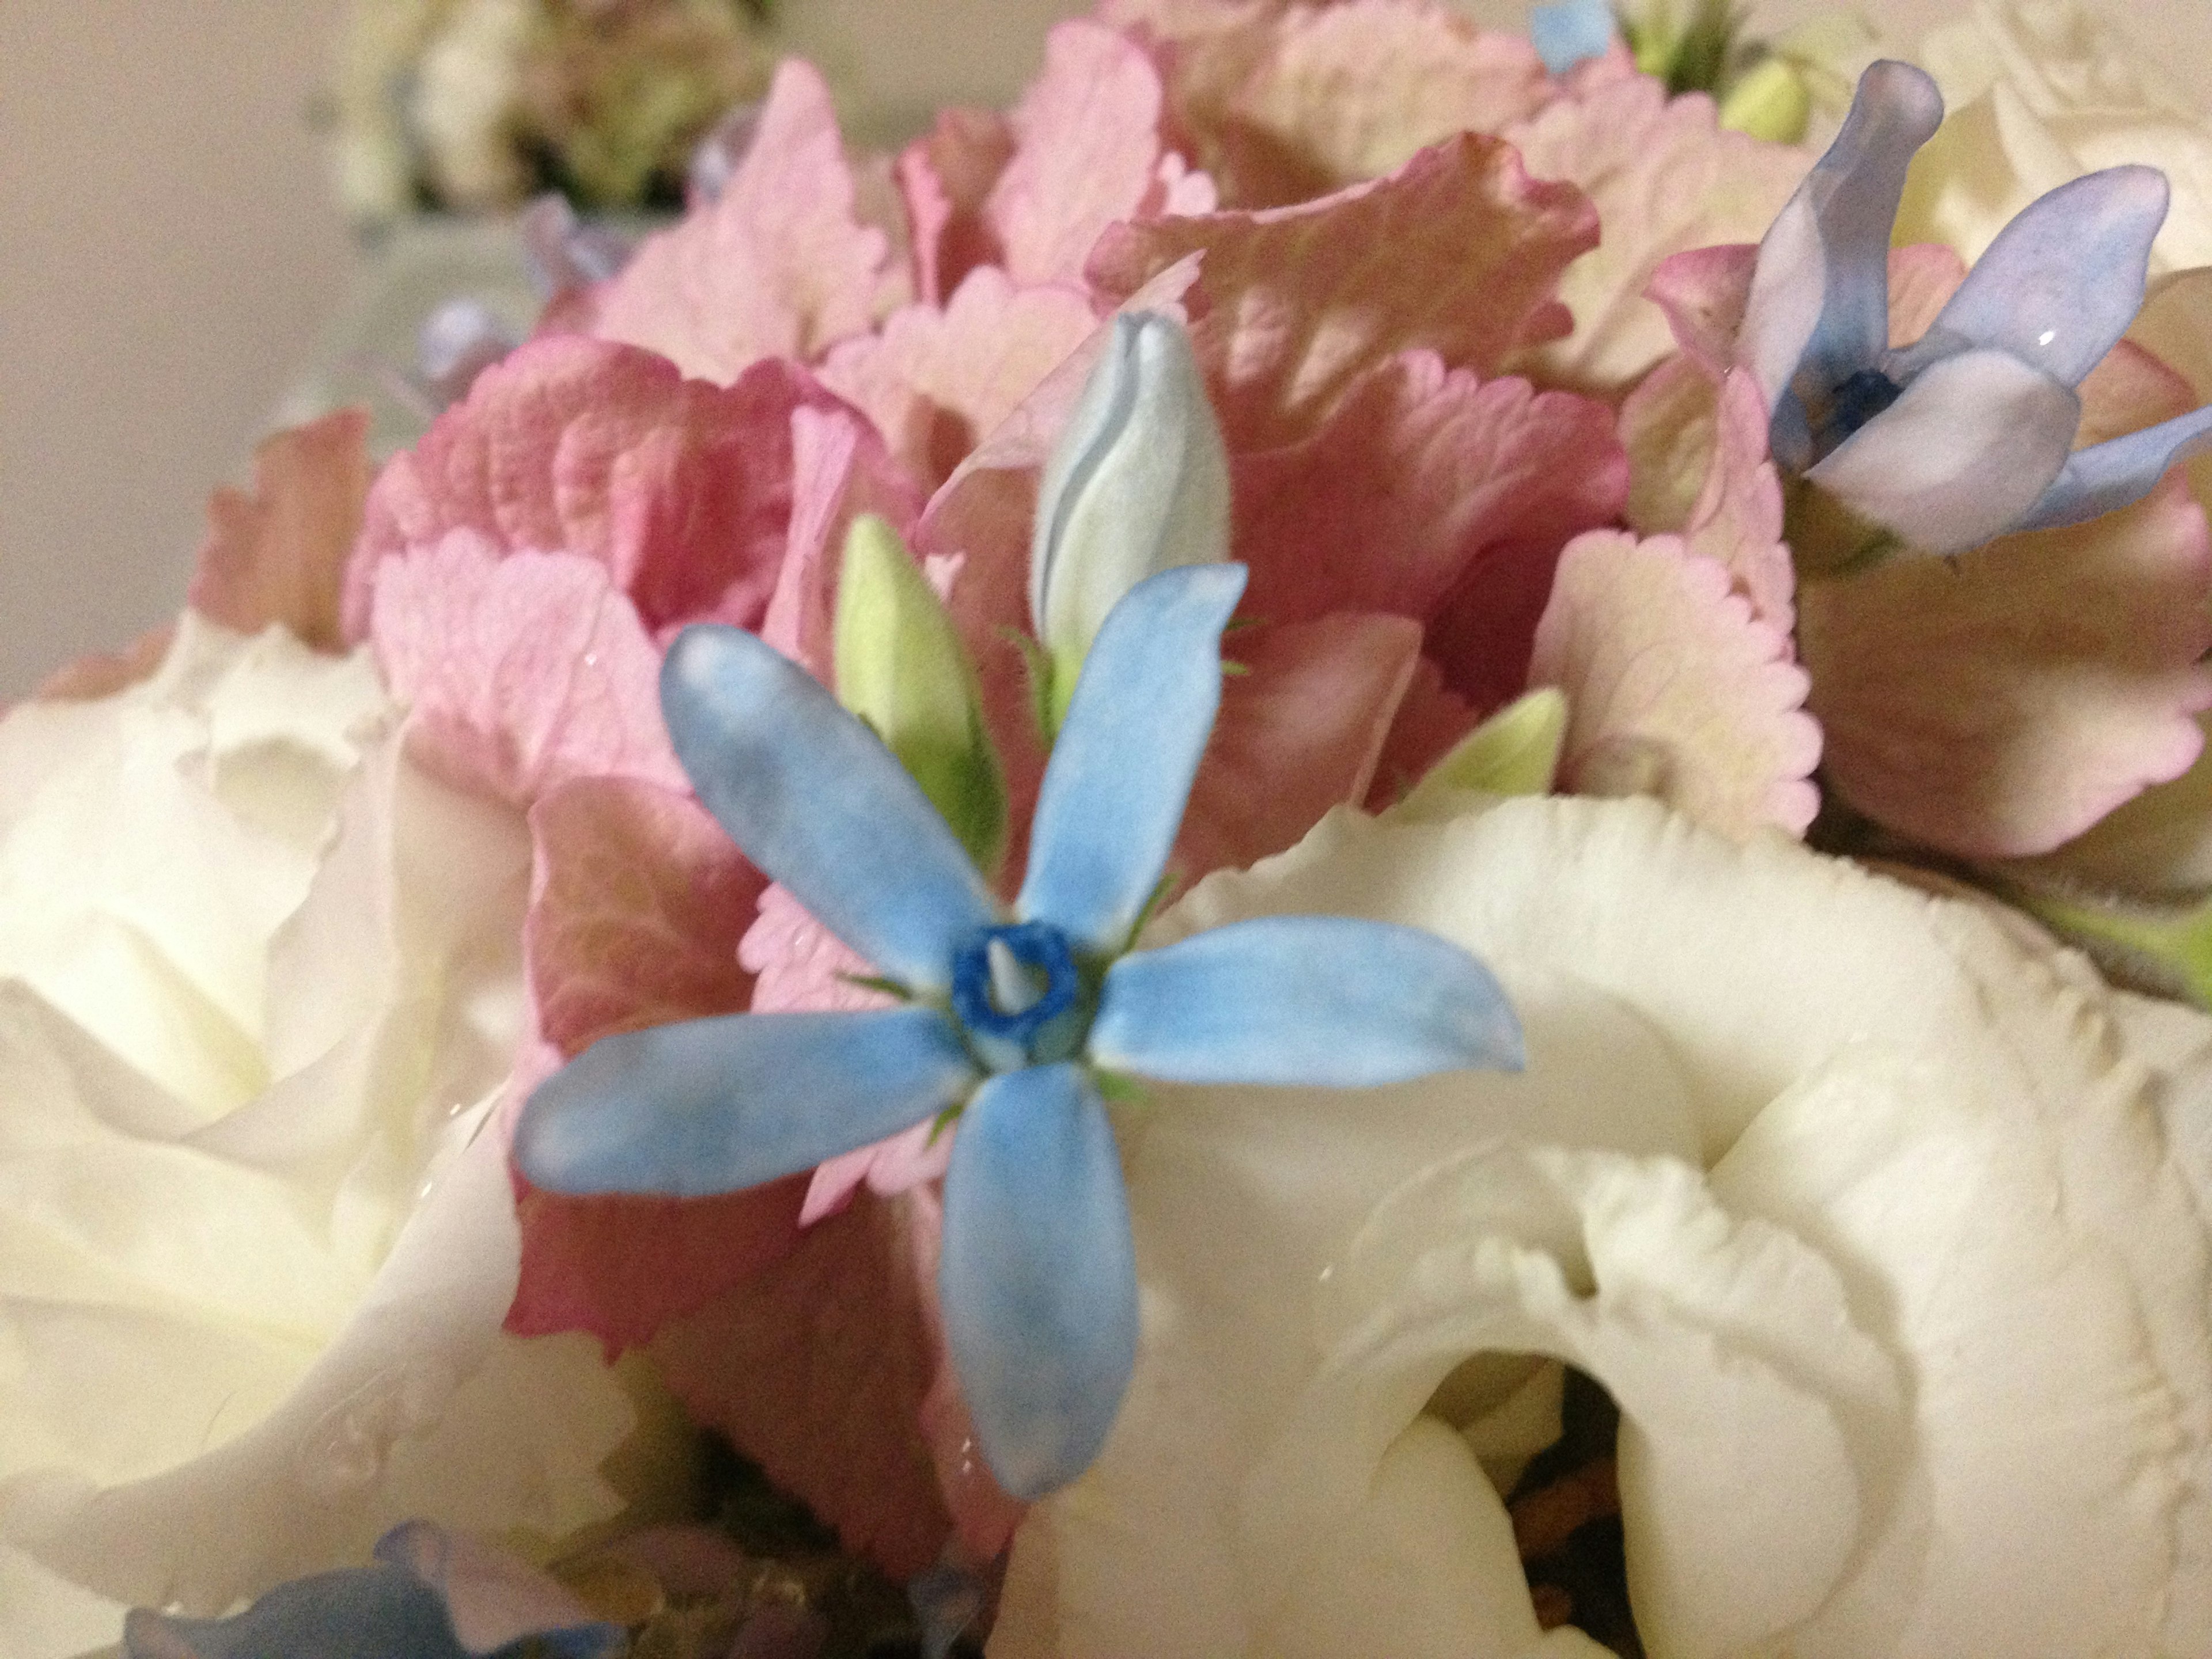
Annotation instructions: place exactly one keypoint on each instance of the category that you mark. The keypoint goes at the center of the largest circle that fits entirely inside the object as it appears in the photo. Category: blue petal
(712, 1105)
(1327, 1000)
(816, 801)
(1038, 1277)
(2062, 282)
(1820, 298)
(1114, 791)
(2105, 477)
(1570, 31)
(1970, 444)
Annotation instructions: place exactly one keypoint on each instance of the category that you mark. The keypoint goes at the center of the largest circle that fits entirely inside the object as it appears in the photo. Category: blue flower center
(1015, 992)
(1859, 399)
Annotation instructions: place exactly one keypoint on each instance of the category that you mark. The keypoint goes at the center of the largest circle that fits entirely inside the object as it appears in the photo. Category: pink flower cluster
(1468, 461)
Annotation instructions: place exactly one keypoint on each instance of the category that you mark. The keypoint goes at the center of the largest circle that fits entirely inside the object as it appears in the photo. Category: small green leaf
(1118, 1088)
(1770, 100)
(901, 668)
(2162, 948)
(944, 1120)
(877, 982)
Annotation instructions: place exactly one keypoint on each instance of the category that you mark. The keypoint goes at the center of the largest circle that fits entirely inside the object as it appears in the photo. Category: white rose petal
(1860, 1207)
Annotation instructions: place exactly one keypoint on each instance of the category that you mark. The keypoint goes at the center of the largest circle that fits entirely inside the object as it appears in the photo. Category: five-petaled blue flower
(1964, 435)
(1013, 1015)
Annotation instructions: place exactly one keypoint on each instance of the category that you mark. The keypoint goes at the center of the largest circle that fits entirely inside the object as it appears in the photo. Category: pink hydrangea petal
(279, 555)
(1087, 153)
(1353, 91)
(1430, 720)
(1674, 688)
(1300, 731)
(1457, 253)
(1665, 178)
(638, 901)
(682, 489)
(945, 178)
(895, 1165)
(839, 471)
(933, 381)
(520, 672)
(1999, 703)
(2128, 391)
(1669, 426)
(780, 265)
(1923, 277)
(817, 1369)
(1416, 472)
(1482, 635)
(1702, 293)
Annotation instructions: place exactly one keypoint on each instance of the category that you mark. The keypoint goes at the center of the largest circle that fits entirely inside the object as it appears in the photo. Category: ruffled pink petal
(681, 488)
(781, 265)
(1430, 720)
(933, 381)
(638, 901)
(1416, 472)
(1481, 636)
(521, 672)
(840, 470)
(1999, 704)
(1668, 427)
(817, 1369)
(945, 178)
(1087, 153)
(279, 555)
(1702, 293)
(1674, 688)
(1665, 178)
(1300, 731)
(1345, 93)
(1458, 253)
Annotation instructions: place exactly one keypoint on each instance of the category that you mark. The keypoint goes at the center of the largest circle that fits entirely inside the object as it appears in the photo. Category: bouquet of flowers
(1268, 861)
(477, 104)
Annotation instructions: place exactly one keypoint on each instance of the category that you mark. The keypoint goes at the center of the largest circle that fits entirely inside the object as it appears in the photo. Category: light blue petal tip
(2119, 471)
(817, 801)
(2063, 279)
(1309, 1000)
(1038, 1276)
(1570, 31)
(1120, 772)
(709, 1106)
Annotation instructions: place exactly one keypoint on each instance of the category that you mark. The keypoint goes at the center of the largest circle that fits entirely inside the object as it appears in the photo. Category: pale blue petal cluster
(1012, 1015)
(1968, 434)
(1568, 32)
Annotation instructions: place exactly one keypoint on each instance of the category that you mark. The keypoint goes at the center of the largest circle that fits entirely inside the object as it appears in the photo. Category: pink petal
(2129, 390)
(1353, 91)
(638, 901)
(897, 1163)
(1416, 472)
(1923, 277)
(1457, 253)
(1674, 688)
(945, 178)
(779, 266)
(279, 555)
(1483, 633)
(933, 381)
(521, 672)
(682, 489)
(840, 470)
(817, 1369)
(1298, 733)
(1702, 293)
(103, 673)
(1999, 704)
(1665, 178)
(1087, 153)
(1430, 720)
(1668, 427)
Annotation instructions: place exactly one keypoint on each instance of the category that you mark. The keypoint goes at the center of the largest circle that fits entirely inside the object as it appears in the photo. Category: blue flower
(1965, 434)
(430, 1597)
(1568, 32)
(1010, 1016)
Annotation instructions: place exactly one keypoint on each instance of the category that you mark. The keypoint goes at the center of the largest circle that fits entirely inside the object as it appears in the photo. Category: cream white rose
(1867, 1211)
(258, 986)
(2038, 92)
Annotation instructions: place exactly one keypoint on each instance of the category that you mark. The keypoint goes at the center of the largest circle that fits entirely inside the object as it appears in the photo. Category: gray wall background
(168, 248)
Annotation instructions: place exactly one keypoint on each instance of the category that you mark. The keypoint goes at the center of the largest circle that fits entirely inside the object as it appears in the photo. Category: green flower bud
(901, 668)
(1771, 100)
(1515, 752)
